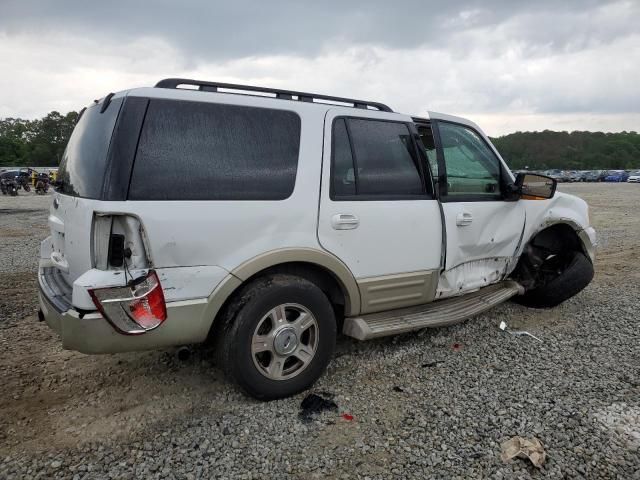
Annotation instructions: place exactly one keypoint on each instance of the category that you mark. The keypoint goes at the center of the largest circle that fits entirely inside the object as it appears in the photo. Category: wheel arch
(323, 269)
(569, 230)
(558, 236)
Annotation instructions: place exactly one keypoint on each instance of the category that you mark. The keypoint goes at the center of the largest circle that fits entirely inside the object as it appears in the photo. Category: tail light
(134, 309)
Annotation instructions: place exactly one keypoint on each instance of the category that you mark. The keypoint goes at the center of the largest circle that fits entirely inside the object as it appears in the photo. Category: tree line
(35, 143)
(41, 143)
(570, 150)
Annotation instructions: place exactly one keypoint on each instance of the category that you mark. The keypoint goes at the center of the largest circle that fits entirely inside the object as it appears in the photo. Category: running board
(436, 314)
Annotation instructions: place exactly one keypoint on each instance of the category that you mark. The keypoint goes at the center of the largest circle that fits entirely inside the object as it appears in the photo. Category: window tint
(205, 151)
(82, 169)
(429, 146)
(385, 159)
(344, 181)
(472, 168)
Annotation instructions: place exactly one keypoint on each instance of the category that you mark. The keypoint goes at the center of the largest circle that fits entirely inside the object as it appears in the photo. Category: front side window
(472, 169)
(376, 159)
(208, 151)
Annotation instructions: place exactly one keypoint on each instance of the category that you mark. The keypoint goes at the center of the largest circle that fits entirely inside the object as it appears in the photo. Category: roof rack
(281, 94)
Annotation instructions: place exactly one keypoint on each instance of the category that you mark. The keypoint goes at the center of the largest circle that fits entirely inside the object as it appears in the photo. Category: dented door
(483, 227)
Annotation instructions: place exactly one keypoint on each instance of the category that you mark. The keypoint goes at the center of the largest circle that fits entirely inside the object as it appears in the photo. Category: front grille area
(55, 288)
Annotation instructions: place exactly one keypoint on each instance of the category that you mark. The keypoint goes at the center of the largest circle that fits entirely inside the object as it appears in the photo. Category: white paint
(393, 236)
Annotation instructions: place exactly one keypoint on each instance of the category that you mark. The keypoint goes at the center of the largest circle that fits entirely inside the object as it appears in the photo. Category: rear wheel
(278, 337)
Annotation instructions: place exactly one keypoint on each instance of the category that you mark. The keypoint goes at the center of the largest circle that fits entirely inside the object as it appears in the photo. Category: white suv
(267, 221)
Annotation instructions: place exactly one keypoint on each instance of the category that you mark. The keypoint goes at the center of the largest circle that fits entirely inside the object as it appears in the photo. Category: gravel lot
(421, 407)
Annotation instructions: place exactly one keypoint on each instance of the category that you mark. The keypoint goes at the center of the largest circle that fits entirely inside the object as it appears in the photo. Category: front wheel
(561, 277)
(279, 336)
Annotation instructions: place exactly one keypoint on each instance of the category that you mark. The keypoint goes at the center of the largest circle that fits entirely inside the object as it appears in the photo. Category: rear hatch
(81, 185)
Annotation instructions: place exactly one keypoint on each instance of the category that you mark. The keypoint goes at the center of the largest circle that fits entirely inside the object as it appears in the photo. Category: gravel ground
(435, 404)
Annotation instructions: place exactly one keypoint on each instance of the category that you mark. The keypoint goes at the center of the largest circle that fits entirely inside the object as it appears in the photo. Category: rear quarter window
(206, 151)
(83, 165)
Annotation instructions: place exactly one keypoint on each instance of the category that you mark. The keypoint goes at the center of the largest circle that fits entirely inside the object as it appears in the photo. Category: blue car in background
(616, 176)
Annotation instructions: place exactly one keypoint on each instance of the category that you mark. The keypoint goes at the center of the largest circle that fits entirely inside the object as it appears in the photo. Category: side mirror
(536, 187)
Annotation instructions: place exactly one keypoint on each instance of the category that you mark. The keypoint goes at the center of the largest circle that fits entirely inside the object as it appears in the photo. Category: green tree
(570, 151)
(37, 143)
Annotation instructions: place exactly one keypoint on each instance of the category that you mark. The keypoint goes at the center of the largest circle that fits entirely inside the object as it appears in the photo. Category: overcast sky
(508, 65)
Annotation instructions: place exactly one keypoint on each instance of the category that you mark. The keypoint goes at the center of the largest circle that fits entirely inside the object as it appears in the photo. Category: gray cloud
(206, 30)
(514, 64)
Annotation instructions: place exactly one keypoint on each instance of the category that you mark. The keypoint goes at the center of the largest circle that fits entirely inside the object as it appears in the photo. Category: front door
(377, 211)
(483, 229)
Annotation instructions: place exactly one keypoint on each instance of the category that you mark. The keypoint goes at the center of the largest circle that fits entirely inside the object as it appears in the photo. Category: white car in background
(634, 177)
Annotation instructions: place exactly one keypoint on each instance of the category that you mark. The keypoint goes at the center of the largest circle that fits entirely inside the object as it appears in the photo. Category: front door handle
(463, 219)
(344, 221)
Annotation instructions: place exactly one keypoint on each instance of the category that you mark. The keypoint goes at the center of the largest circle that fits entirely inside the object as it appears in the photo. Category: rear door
(483, 228)
(377, 210)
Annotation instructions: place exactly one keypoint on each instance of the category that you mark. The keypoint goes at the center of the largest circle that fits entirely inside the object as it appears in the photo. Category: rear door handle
(463, 219)
(344, 221)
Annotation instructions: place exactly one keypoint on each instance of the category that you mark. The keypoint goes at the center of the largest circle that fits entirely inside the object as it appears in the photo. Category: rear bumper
(90, 332)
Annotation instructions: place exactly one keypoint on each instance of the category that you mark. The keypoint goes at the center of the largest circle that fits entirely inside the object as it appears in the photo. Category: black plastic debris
(314, 404)
(398, 389)
(431, 364)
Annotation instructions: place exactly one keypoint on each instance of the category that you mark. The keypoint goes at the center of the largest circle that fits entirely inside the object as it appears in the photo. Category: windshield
(84, 161)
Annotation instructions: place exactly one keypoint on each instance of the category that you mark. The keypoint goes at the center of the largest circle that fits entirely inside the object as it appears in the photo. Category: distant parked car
(602, 174)
(591, 176)
(634, 177)
(559, 175)
(575, 176)
(617, 176)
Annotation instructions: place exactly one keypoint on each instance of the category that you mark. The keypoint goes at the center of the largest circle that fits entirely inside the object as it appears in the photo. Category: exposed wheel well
(321, 277)
(556, 239)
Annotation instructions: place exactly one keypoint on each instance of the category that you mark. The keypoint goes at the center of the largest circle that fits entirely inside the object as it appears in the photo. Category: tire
(273, 308)
(576, 276)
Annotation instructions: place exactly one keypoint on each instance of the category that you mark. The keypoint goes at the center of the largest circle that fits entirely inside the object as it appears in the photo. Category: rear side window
(376, 159)
(344, 181)
(205, 151)
(83, 164)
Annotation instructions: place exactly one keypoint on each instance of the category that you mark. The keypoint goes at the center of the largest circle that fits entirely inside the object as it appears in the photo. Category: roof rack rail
(281, 94)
